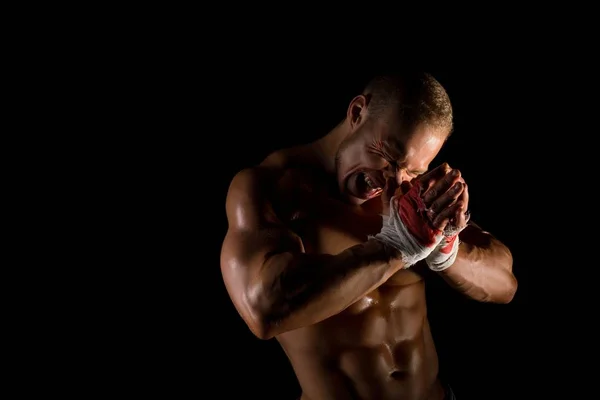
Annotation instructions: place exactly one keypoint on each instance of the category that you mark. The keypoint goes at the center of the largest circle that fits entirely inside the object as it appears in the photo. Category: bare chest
(329, 226)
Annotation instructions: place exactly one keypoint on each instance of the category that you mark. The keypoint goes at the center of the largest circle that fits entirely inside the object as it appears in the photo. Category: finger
(441, 186)
(460, 219)
(429, 178)
(447, 198)
(465, 198)
(461, 180)
(443, 218)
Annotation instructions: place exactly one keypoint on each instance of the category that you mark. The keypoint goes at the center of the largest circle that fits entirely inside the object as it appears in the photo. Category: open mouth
(366, 185)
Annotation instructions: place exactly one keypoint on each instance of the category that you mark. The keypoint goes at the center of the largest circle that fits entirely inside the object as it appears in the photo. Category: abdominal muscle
(378, 348)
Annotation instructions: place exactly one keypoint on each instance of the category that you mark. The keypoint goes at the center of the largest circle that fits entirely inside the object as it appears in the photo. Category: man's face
(379, 149)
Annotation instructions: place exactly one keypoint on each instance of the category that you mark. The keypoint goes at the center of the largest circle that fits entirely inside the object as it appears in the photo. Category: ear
(357, 111)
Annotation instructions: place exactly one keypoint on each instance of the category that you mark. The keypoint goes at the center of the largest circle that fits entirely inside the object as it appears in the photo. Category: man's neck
(325, 149)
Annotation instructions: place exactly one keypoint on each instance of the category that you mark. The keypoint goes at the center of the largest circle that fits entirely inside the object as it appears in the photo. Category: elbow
(506, 282)
(253, 298)
(506, 288)
(260, 312)
(261, 326)
(509, 289)
(261, 330)
(501, 286)
(510, 281)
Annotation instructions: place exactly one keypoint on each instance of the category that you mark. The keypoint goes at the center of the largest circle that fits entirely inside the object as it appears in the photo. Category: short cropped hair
(414, 97)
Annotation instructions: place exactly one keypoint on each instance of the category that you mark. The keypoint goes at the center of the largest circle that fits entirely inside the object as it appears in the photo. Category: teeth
(370, 183)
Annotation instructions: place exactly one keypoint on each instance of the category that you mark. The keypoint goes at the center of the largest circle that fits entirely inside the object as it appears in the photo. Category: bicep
(246, 251)
(254, 235)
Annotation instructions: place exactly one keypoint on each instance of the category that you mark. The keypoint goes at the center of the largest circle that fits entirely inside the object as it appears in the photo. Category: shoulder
(257, 196)
(250, 185)
(246, 178)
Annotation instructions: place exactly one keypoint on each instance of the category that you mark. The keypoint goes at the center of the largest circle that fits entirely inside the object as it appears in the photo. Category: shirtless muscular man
(326, 240)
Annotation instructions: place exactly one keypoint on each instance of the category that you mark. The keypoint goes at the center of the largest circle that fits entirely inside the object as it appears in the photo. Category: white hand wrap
(395, 233)
(443, 256)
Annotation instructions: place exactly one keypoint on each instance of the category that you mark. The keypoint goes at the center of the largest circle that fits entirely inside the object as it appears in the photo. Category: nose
(402, 176)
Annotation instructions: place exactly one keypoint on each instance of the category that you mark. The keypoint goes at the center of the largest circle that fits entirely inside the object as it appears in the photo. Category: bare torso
(381, 346)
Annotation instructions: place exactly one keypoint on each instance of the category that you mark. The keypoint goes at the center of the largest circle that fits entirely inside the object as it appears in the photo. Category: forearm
(482, 269)
(301, 290)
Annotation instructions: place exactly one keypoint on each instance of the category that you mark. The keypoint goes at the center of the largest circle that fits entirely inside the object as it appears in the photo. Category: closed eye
(415, 174)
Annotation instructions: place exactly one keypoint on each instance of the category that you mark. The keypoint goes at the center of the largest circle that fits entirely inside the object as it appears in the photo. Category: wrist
(444, 255)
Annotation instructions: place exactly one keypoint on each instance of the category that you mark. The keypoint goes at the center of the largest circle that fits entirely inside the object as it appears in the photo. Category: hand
(431, 212)
(444, 197)
(461, 218)
(442, 192)
(447, 190)
(406, 227)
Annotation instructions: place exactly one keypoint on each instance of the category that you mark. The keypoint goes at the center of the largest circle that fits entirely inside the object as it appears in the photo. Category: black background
(201, 127)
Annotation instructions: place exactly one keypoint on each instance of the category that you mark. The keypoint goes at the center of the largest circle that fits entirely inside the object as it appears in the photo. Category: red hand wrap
(412, 211)
(447, 249)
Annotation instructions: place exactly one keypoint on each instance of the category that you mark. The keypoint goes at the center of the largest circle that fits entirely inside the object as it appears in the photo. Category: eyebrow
(394, 148)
